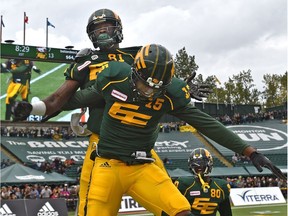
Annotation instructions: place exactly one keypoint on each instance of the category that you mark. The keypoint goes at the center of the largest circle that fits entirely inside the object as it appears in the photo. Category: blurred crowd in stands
(249, 118)
(236, 119)
(240, 159)
(258, 181)
(57, 165)
(5, 163)
(55, 133)
(69, 192)
(36, 191)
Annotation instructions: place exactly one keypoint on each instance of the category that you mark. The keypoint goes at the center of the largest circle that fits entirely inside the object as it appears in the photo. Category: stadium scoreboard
(37, 53)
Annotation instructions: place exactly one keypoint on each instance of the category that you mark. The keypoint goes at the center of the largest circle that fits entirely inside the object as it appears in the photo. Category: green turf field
(41, 85)
(259, 210)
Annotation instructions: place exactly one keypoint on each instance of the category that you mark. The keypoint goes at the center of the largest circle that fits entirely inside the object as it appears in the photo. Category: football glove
(21, 110)
(259, 161)
(37, 70)
(198, 91)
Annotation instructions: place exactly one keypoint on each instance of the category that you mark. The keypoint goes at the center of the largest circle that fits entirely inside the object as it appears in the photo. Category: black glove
(37, 70)
(198, 91)
(47, 117)
(259, 161)
(21, 110)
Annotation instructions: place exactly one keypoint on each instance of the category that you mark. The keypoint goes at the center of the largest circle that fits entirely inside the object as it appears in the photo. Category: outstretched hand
(37, 70)
(198, 91)
(259, 161)
(21, 110)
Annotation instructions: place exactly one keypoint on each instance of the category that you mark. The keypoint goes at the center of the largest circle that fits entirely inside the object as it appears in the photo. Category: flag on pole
(50, 24)
(47, 25)
(25, 18)
(217, 80)
(24, 27)
(2, 23)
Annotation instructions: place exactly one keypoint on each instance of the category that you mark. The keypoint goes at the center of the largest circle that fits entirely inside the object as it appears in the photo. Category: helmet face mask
(152, 72)
(104, 29)
(146, 91)
(200, 162)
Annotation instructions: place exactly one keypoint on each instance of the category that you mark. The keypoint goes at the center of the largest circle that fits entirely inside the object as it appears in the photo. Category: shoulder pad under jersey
(178, 92)
(82, 53)
(176, 84)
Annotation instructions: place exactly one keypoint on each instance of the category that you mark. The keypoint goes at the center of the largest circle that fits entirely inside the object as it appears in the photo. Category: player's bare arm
(55, 101)
(21, 109)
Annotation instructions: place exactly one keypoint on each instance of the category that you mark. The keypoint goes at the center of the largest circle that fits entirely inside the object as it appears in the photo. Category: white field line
(233, 207)
(40, 77)
(259, 206)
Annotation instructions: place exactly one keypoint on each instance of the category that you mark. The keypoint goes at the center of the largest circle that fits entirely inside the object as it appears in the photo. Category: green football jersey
(216, 198)
(129, 127)
(85, 72)
(21, 70)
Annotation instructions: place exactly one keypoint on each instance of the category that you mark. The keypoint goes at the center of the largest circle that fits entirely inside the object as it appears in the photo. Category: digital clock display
(37, 53)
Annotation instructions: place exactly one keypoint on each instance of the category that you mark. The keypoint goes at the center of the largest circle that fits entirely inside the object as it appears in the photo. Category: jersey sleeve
(178, 98)
(73, 73)
(88, 97)
(20, 69)
(79, 69)
(92, 96)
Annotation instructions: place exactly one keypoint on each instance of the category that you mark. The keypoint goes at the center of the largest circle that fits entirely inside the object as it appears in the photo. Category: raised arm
(21, 109)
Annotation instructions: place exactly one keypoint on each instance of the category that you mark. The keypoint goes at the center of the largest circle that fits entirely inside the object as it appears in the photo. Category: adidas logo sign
(6, 211)
(47, 210)
(106, 164)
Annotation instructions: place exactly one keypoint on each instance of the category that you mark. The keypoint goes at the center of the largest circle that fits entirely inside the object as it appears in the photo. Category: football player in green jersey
(135, 102)
(104, 29)
(19, 83)
(206, 195)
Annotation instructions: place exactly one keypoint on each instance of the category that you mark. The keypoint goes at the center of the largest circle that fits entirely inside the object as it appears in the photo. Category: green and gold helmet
(200, 161)
(152, 71)
(102, 36)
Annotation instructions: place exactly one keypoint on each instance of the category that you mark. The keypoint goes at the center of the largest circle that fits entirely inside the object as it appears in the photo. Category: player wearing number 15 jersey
(85, 71)
(206, 195)
(135, 100)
